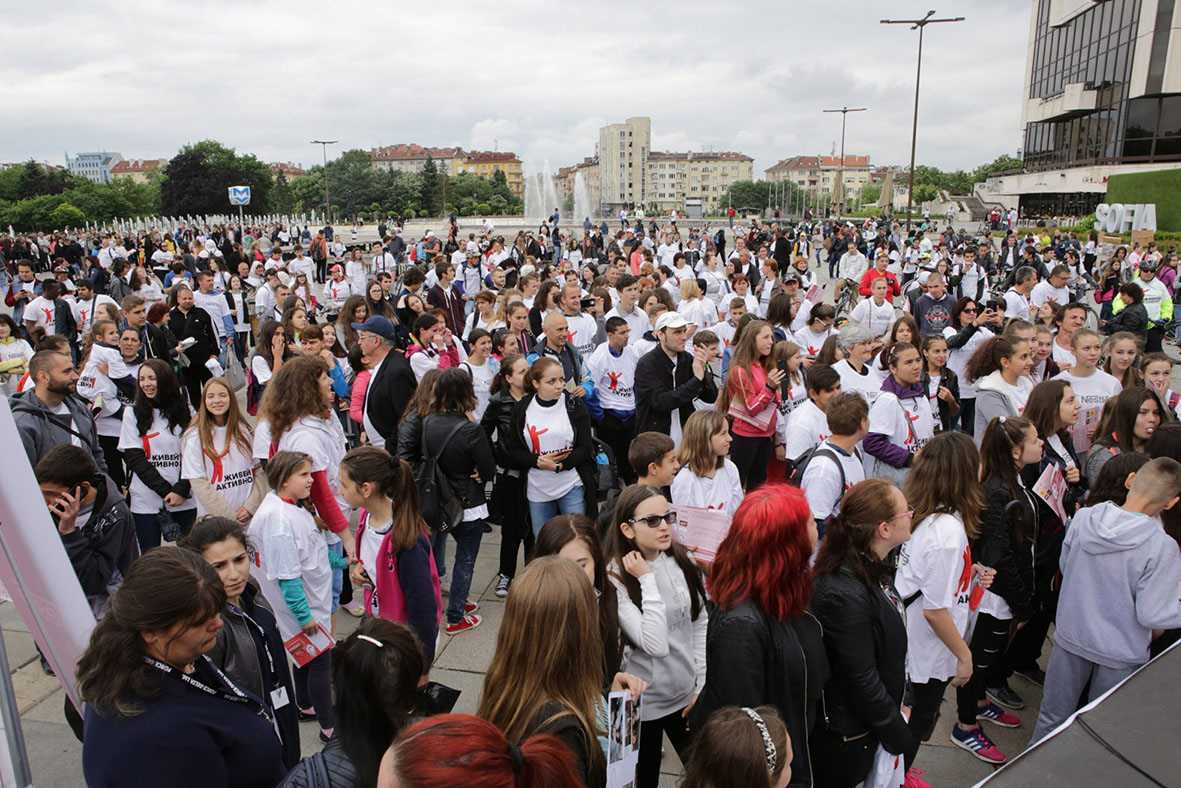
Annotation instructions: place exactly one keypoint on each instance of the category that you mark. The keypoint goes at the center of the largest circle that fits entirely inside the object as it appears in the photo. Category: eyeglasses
(654, 520)
(968, 309)
(908, 514)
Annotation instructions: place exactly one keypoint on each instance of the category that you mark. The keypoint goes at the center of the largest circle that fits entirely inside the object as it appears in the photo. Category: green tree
(66, 215)
(871, 193)
(196, 179)
(307, 191)
(282, 196)
(430, 194)
(1001, 163)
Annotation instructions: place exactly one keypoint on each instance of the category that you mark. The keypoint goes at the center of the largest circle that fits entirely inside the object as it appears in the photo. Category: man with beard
(52, 414)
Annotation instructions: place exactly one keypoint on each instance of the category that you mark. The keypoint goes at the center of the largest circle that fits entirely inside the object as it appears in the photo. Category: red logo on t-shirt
(535, 437)
(48, 314)
(148, 443)
(910, 435)
(614, 376)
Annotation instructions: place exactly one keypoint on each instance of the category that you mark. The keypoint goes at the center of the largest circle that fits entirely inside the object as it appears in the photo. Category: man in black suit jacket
(391, 382)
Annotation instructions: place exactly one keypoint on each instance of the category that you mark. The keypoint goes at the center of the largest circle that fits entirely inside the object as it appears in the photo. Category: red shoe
(468, 623)
(915, 780)
(470, 607)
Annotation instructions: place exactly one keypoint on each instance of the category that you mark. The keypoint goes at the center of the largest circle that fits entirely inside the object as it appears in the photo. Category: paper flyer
(1051, 488)
(303, 648)
(1082, 433)
(701, 530)
(815, 294)
(623, 739)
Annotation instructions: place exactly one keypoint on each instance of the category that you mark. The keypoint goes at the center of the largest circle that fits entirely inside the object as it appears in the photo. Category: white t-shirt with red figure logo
(548, 431)
(231, 474)
(42, 312)
(614, 377)
(937, 565)
(722, 491)
(161, 446)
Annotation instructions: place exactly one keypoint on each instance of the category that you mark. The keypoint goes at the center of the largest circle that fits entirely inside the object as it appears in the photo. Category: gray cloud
(145, 77)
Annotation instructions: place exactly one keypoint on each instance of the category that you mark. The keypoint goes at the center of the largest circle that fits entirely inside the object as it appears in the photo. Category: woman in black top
(158, 711)
(189, 321)
(864, 634)
(508, 388)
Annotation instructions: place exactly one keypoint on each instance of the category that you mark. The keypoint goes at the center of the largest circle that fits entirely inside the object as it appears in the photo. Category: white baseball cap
(670, 320)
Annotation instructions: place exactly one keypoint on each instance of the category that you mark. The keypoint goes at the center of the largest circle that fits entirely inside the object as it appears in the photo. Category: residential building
(286, 169)
(1102, 97)
(136, 170)
(675, 177)
(486, 163)
(95, 166)
(819, 174)
(623, 163)
(412, 157)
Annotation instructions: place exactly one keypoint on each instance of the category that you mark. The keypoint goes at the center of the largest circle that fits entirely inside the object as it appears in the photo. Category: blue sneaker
(998, 716)
(977, 743)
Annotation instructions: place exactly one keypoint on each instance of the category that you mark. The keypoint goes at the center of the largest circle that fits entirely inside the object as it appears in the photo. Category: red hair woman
(764, 647)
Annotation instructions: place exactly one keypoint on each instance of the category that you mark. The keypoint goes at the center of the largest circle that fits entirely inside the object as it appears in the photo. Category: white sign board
(239, 195)
(1120, 218)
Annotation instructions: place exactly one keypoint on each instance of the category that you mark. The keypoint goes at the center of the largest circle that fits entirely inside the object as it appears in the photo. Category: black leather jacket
(865, 639)
(498, 420)
(469, 451)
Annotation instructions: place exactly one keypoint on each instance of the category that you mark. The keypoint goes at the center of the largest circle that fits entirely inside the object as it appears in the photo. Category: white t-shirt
(63, 410)
(821, 481)
(161, 445)
(324, 441)
(908, 422)
(725, 332)
(810, 342)
(1016, 305)
(807, 426)
(84, 311)
(957, 359)
(303, 265)
(722, 492)
(1044, 292)
(636, 319)
(936, 562)
(336, 293)
(232, 475)
(548, 430)
(868, 385)
(614, 377)
(215, 304)
(287, 546)
(371, 539)
(797, 395)
(582, 329)
(1090, 394)
(1063, 357)
(701, 312)
(42, 311)
(876, 318)
(482, 375)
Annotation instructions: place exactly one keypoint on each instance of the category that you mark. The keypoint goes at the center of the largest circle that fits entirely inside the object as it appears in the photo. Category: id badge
(279, 698)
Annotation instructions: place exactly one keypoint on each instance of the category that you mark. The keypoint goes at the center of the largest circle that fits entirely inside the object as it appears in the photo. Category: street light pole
(841, 166)
(920, 25)
(327, 202)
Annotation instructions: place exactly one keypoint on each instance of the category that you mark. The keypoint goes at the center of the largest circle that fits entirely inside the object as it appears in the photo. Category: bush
(1160, 187)
(66, 215)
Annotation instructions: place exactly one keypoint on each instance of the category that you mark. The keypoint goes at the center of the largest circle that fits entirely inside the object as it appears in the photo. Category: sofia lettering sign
(1120, 218)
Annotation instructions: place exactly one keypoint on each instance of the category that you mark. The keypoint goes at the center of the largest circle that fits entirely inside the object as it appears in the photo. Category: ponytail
(987, 358)
(395, 480)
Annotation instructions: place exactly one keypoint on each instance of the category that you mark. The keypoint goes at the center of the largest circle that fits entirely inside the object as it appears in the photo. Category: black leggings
(751, 455)
(313, 689)
(989, 639)
(924, 713)
(1025, 649)
(110, 446)
(618, 435)
(508, 495)
(652, 746)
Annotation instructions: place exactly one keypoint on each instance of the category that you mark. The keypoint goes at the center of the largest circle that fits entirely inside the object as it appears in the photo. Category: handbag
(235, 376)
(435, 698)
(441, 508)
(760, 421)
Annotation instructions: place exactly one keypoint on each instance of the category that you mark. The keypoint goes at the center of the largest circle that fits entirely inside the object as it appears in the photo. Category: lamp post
(840, 190)
(327, 203)
(920, 25)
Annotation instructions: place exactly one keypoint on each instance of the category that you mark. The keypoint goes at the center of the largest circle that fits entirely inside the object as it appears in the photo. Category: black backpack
(441, 508)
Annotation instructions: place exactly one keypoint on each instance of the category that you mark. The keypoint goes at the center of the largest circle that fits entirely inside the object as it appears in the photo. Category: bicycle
(848, 298)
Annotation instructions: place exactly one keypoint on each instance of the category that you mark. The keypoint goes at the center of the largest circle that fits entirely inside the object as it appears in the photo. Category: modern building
(486, 163)
(136, 170)
(411, 158)
(818, 175)
(623, 163)
(674, 178)
(94, 166)
(1102, 97)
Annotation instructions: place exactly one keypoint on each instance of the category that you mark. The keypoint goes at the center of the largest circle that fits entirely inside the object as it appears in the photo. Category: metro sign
(239, 195)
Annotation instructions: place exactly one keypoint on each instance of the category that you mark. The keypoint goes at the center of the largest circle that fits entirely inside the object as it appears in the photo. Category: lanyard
(238, 695)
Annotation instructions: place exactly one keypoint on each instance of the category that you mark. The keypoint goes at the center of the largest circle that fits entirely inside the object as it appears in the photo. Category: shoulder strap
(426, 453)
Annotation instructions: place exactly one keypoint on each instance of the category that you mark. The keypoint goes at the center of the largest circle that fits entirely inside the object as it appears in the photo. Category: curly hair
(293, 393)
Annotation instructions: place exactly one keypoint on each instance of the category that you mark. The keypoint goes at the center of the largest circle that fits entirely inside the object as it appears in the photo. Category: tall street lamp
(324, 147)
(920, 25)
(840, 201)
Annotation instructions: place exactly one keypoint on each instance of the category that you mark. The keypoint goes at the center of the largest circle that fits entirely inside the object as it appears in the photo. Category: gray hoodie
(1121, 579)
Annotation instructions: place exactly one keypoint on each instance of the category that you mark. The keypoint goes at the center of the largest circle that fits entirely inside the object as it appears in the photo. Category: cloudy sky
(143, 77)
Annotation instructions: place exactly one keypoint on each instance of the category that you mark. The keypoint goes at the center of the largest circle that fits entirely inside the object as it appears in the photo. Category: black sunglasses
(654, 520)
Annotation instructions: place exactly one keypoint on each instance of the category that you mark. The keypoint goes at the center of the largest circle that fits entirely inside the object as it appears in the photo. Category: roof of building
(286, 167)
(413, 151)
(813, 162)
(698, 156)
(136, 165)
(491, 157)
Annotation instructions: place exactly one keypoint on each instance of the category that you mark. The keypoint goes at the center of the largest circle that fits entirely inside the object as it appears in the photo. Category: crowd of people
(242, 432)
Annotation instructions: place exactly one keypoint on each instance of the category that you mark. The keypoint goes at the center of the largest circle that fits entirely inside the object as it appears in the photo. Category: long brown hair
(696, 451)
(420, 400)
(729, 750)
(237, 429)
(395, 480)
(848, 538)
(943, 480)
(293, 393)
(743, 358)
(548, 651)
(164, 587)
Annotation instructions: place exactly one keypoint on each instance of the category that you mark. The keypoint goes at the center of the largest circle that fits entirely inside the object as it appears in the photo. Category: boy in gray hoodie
(1121, 579)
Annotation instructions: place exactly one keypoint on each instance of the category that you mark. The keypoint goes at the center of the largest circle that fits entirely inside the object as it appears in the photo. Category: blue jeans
(467, 541)
(147, 527)
(573, 502)
(337, 575)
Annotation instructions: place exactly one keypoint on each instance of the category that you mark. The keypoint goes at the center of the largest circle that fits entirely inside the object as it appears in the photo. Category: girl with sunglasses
(662, 614)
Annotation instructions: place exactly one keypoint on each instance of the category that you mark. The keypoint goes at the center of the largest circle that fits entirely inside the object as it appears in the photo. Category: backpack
(795, 471)
(253, 392)
(441, 508)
